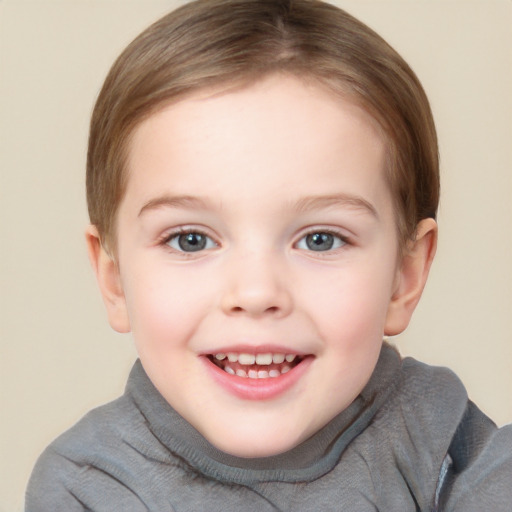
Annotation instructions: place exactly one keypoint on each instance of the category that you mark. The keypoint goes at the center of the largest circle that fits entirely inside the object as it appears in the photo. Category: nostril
(271, 309)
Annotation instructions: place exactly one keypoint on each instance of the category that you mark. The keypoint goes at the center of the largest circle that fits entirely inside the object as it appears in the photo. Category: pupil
(192, 242)
(320, 241)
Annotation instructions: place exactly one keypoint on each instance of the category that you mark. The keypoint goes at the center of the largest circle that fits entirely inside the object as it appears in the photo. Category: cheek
(349, 305)
(164, 308)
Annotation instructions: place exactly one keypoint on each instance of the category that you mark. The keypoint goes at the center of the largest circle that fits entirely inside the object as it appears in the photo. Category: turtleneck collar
(311, 459)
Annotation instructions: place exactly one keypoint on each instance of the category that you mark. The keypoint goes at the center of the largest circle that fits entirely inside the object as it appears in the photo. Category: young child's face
(257, 223)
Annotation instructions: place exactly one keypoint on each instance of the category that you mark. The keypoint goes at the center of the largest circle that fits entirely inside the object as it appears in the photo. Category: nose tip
(258, 291)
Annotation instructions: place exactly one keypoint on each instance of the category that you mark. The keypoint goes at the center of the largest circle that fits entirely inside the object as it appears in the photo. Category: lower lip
(257, 389)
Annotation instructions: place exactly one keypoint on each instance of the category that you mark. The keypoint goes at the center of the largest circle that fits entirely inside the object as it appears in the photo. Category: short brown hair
(212, 42)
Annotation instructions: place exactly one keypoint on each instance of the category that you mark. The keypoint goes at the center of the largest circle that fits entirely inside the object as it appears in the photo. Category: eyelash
(168, 237)
(341, 237)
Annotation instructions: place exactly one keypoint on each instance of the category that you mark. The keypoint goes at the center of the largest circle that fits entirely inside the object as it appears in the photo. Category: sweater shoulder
(409, 437)
(104, 425)
(444, 445)
(432, 394)
(428, 402)
(88, 452)
(480, 471)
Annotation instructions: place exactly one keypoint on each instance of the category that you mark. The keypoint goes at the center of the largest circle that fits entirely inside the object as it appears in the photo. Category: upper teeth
(248, 359)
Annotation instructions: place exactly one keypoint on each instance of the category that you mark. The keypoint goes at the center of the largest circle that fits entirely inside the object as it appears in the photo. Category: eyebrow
(191, 202)
(303, 205)
(317, 202)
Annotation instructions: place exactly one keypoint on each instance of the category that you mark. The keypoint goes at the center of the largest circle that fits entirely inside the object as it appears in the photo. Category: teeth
(248, 359)
(278, 358)
(257, 374)
(251, 360)
(263, 359)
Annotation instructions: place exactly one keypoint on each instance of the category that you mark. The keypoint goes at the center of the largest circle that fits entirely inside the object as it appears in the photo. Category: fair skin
(257, 223)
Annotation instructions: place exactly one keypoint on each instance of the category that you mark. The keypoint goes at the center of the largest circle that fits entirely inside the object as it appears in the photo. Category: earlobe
(411, 277)
(109, 281)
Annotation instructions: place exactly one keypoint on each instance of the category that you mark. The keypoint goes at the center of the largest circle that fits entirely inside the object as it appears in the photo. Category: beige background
(59, 357)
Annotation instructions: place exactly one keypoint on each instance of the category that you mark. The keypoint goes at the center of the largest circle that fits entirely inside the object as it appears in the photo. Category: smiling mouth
(255, 366)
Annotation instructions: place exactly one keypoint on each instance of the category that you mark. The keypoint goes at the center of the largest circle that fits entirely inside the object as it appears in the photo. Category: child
(262, 183)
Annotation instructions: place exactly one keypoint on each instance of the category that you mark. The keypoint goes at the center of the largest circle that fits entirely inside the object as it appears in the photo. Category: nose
(257, 286)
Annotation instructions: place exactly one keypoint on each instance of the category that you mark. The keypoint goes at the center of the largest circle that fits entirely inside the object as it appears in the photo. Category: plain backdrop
(59, 357)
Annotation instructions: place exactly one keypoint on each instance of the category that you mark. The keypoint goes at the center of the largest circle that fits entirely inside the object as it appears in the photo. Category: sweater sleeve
(481, 474)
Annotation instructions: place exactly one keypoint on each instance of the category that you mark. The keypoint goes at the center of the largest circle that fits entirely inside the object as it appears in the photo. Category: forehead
(277, 135)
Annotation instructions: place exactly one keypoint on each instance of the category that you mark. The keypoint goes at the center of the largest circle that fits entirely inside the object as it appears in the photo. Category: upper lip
(254, 349)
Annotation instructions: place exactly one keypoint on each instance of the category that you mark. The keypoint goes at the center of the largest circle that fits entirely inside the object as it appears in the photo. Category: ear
(411, 277)
(109, 281)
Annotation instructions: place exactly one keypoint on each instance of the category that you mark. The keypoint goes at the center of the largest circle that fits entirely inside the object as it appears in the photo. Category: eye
(191, 241)
(321, 241)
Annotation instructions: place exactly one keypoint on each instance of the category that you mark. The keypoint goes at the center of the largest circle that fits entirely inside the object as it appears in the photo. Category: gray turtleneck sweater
(410, 442)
